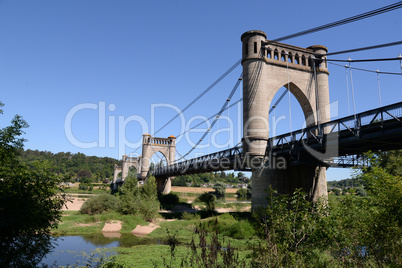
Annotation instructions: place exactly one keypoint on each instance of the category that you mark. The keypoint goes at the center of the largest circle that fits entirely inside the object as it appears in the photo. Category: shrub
(220, 189)
(85, 187)
(139, 200)
(168, 201)
(208, 199)
(99, 204)
(361, 191)
(190, 216)
(243, 193)
(239, 230)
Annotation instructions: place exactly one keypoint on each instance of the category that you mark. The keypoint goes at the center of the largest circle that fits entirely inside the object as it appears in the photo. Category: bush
(99, 204)
(208, 199)
(361, 191)
(243, 193)
(190, 216)
(168, 201)
(139, 200)
(220, 189)
(85, 187)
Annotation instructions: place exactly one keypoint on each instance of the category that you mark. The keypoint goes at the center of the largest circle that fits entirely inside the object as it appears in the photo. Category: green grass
(72, 222)
(153, 255)
(148, 256)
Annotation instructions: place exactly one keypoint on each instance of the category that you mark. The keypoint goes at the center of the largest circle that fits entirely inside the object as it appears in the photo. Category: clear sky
(93, 76)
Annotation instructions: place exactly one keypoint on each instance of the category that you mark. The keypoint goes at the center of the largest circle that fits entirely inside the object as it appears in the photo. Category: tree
(139, 200)
(384, 224)
(220, 189)
(209, 200)
(30, 202)
(84, 174)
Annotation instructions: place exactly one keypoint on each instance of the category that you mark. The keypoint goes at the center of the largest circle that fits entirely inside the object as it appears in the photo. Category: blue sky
(124, 57)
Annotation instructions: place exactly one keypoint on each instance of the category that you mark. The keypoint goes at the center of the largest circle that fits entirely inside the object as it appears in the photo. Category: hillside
(70, 166)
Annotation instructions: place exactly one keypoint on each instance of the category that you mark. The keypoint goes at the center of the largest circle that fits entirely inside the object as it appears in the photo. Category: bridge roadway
(376, 129)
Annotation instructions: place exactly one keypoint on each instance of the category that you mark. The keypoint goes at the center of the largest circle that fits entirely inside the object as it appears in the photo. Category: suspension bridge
(297, 159)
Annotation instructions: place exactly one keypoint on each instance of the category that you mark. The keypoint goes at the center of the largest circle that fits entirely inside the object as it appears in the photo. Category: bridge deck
(377, 129)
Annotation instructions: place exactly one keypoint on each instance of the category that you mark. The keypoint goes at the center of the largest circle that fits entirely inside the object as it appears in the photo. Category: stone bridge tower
(127, 163)
(268, 66)
(167, 147)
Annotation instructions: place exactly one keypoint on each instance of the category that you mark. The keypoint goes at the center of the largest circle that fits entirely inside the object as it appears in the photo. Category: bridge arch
(127, 162)
(301, 98)
(264, 76)
(299, 70)
(152, 145)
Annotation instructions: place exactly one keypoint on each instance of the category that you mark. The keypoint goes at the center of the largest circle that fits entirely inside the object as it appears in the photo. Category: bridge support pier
(164, 185)
(310, 177)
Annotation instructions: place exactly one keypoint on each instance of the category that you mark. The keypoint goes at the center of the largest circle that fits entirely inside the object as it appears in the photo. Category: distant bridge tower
(127, 163)
(167, 147)
(130, 162)
(268, 66)
(116, 172)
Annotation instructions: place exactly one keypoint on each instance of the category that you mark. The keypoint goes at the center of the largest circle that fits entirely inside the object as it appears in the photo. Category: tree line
(69, 166)
(196, 180)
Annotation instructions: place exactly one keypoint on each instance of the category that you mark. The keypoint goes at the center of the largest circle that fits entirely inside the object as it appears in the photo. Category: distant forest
(346, 183)
(70, 166)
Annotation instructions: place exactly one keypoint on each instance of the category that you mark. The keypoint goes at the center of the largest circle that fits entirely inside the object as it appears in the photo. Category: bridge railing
(352, 124)
(222, 160)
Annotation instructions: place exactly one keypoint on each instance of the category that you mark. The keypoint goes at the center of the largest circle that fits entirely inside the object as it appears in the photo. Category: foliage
(361, 191)
(68, 165)
(288, 228)
(243, 194)
(190, 216)
(336, 191)
(229, 226)
(208, 252)
(220, 189)
(208, 199)
(209, 178)
(353, 182)
(99, 204)
(168, 201)
(139, 200)
(384, 224)
(30, 202)
(85, 187)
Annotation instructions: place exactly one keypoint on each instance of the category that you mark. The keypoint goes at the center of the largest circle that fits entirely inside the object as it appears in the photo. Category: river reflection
(70, 250)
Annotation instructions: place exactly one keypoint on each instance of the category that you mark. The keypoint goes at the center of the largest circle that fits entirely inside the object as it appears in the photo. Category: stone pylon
(267, 67)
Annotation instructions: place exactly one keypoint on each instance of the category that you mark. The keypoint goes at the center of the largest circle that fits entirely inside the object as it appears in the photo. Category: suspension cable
(290, 107)
(365, 70)
(278, 101)
(199, 124)
(316, 94)
(347, 88)
(202, 94)
(217, 117)
(365, 48)
(180, 155)
(379, 89)
(228, 127)
(365, 15)
(364, 60)
(353, 94)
